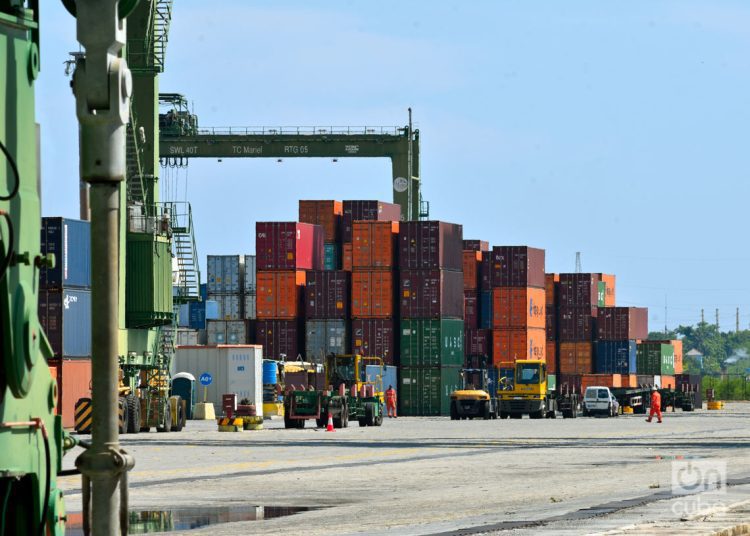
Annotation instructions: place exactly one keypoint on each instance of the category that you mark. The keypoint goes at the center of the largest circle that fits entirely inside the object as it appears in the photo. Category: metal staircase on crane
(187, 283)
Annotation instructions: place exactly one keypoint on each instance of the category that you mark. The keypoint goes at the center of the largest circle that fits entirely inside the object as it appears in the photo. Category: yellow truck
(534, 392)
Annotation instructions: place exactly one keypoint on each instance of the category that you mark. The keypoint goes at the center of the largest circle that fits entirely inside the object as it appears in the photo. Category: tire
(379, 420)
(362, 421)
(454, 411)
(504, 415)
(370, 414)
(122, 425)
(166, 424)
(345, 417)
(486, 411)
(134, 413)
(179, 421)
(288, 422)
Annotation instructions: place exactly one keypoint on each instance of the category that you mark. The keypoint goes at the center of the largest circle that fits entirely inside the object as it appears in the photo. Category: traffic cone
(329, 426)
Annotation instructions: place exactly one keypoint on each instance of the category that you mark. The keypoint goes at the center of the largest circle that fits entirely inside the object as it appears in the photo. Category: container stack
(618, 331)
(518, 305)
(579, 298)
(327, 214)
(477, 340)
(551, 294)
(326, 313)
(225, 286)
(284, 251)
(432, 308)
(374, 283)
(250, 296)
(65, 309)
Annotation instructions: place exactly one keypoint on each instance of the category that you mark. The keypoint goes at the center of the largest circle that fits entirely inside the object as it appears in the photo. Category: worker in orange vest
(390, 401)
(655, 405)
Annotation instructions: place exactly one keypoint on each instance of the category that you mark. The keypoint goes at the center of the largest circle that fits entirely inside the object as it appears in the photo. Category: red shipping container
(576, 358)
(517, 266)
(471, 262)
(518, 308)
(471, 309)
(629, 380)
(374, 244)
(509, 345)
(476, 245)
(327, 214)
(568, 383)
(621, 323)
(73, 378)
(576, 323)
(551, 288)
(477, 342)
(280, 294)
(346, 257)
(551, 357)
(431, 294)
(288, 246)
(366, 211)
(603, 380)
(278, 337)
(372, 294)
(327, 294)
(579, 289)
(485, 272)
(375, 337)
(430, 245)
(551, 323)
(609, 297)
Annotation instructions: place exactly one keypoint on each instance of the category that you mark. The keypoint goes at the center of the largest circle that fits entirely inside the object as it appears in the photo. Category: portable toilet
(183, 384)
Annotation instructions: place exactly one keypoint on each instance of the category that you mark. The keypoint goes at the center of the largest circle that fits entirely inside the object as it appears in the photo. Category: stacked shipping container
(477, 339)
(518, 305)
(578, 299)
(226, 286)
(284, 250)
(431, 301)
(65, 309)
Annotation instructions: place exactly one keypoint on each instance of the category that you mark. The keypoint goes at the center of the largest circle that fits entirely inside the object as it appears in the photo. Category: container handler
(472, 400)
(534, 393)
(351, 395)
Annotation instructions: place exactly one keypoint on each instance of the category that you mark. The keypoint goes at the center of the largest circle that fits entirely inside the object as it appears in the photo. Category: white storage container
(234, 369)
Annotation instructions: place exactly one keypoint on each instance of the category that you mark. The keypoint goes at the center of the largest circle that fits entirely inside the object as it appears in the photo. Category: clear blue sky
(619, 129)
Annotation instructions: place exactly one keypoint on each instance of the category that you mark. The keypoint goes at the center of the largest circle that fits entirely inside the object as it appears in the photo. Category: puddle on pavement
(678, 457)
(148, 521)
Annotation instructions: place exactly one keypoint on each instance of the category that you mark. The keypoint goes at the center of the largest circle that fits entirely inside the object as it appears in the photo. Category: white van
(599, 399)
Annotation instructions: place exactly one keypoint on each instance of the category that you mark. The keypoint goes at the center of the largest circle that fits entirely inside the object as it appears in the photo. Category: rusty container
(280, 294)
(373, 294)
(518, 308)
(374, 244)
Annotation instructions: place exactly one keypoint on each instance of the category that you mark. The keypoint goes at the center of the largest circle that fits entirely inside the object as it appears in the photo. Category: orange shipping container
(609, 281)
(327, 214)
(667, 382)
(472, 260)
(374, 244)
(604, 380)
(346, 257)
(372, 294)
(629, 380)
(518, 308)
(279, 294)
(550, 288)
(73, 378)
(576, 358)
(508, 345)
(551, 357)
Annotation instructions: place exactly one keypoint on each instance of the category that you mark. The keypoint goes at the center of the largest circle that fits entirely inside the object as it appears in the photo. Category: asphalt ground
(419, 476)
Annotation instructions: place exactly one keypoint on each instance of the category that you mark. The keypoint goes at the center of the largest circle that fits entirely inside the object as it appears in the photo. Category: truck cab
(534, 393)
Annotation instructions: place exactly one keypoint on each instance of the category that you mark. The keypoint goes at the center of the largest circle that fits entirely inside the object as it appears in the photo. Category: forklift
(477, 397)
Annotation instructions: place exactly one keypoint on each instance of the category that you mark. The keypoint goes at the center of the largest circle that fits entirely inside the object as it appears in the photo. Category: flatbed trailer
(639, 398)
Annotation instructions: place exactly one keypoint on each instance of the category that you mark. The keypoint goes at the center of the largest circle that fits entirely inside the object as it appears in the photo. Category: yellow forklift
(477, 397)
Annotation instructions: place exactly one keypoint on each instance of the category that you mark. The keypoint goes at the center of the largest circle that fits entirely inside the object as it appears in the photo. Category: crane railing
(304, 131)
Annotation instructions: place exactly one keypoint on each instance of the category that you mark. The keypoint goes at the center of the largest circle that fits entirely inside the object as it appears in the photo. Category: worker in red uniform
(655, 405)
(390, 401)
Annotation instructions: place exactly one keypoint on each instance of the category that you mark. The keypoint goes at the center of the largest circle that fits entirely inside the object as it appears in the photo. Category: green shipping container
(655, 358)
(332, 257)
(426, 391)
(148, 283)
(432, 343)
(601, 294)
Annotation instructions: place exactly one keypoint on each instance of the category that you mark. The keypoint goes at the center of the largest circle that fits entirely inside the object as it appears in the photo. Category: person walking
(655, 405)
(390, 401)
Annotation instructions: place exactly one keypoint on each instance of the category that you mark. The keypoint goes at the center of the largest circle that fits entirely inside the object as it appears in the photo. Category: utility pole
(579, 269)
(717, 319)
(703, 317)
(738, 320)
(665, 315)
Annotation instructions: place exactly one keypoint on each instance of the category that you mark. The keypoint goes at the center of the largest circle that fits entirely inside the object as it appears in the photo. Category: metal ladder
(134, 171)
(186, 252)
(161, 17)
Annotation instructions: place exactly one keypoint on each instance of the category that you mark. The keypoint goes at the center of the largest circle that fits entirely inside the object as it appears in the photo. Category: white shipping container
(234, 369)
(250, 276)
(187, 337)
(229, 306)
(250, 302)
(216, 332)
(237, 332)
(225, 273)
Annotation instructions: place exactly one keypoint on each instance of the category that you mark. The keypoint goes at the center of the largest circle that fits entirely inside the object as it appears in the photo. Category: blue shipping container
(65, 316)
(212, 310)
(204, 291)
(70, 242)
(199, 312)
(485, 310)
(183, 319)
(389, 375)
(615, 357)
